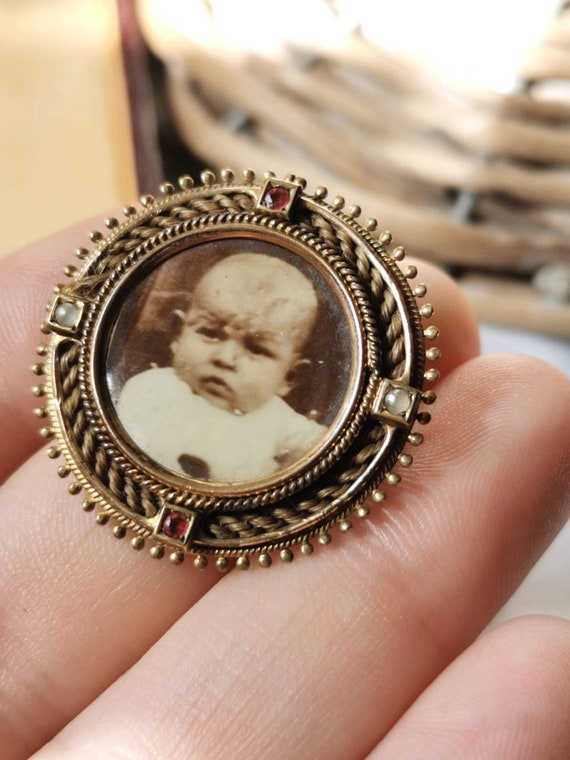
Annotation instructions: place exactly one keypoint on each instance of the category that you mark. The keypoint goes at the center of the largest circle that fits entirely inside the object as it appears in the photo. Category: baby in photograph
(218, 412)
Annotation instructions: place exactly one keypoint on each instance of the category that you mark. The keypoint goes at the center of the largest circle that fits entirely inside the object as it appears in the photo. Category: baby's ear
(294, 376)
(178, 317)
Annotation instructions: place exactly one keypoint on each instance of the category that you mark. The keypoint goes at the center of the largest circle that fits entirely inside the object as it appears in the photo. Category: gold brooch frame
(381, 356)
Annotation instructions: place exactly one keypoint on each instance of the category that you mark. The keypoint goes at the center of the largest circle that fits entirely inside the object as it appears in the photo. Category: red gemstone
(175, 525)
(276, 198)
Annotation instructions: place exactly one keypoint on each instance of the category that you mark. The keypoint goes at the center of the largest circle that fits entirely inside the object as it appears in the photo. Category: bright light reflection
(479, 43)
(482, 43)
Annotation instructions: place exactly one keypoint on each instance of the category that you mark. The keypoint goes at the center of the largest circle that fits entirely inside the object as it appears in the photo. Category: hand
(366, 649)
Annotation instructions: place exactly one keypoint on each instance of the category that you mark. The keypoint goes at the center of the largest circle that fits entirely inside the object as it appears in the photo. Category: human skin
(367, 648)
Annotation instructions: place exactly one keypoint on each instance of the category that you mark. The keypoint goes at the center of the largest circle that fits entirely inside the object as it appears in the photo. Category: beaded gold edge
(325, 486)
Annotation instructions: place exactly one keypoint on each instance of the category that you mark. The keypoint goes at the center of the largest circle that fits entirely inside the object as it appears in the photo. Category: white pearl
(397, 401)
(66, 314)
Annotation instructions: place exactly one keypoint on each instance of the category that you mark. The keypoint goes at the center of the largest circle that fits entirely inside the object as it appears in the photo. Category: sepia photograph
(230, 361)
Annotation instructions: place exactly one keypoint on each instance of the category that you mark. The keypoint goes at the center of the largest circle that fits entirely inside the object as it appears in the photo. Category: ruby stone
(276, 198)
(175, 525)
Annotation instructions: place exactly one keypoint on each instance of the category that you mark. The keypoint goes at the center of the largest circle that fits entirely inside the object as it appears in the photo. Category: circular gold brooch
(234, 369)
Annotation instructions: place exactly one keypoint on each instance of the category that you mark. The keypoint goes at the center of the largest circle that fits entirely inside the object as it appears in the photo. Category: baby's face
(239, 342)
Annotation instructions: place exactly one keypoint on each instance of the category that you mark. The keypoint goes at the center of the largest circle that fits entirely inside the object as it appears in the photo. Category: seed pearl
(66, 314)
(397, 401)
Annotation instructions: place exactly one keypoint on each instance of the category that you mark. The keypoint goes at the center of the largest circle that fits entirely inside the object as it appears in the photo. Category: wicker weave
(379, 129)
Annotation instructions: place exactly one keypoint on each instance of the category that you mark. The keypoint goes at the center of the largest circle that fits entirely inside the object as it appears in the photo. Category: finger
(101, 585)
(320, 659)
(26, 279)
(508, 695)
(74, 602)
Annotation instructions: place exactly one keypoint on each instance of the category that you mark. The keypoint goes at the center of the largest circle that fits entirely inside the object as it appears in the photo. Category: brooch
(235, 369)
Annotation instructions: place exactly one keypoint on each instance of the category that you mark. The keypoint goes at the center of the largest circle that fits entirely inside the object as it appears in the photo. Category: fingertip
(505, 696)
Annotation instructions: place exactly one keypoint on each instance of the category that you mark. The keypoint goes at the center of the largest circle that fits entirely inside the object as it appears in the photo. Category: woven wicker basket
(472, 179)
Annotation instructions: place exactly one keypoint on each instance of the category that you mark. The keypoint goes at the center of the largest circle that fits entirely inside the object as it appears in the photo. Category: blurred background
(449, 122)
